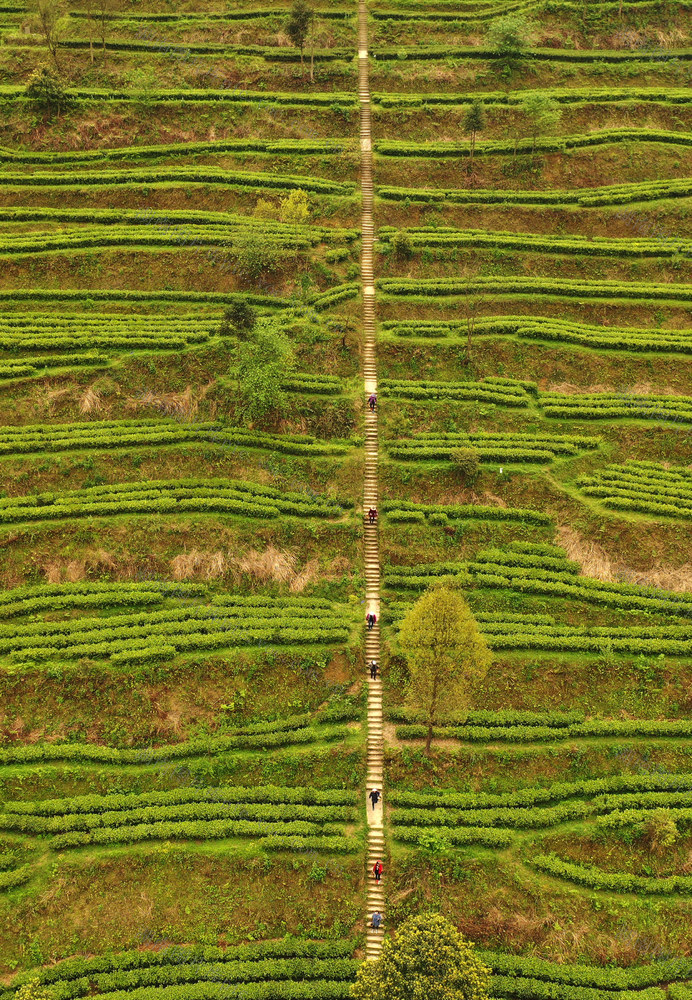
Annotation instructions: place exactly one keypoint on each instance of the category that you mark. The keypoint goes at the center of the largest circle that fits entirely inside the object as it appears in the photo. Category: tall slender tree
(52, 21)
(473, 124)
(445, 654)
(298, 26)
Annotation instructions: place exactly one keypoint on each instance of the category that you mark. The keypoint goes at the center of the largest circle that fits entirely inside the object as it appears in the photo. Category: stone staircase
(375, 746)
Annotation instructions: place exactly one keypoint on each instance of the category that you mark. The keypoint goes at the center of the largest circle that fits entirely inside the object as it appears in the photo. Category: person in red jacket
(377, 870)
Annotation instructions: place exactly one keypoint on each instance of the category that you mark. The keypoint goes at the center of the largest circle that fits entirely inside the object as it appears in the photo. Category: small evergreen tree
(238, 319)
(401, 245)
(256, 257)
(429, 958)
(661, 831)
(467, 463)
(445, 653)
(298, 26)
(473, 124)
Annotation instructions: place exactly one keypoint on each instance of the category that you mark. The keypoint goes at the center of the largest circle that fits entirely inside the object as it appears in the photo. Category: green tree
(445, 654)
(265, 209)
(313, 28)
(238, 319)
(295, 208)
(542, 114)
(401, 245)
(52, 21)
(428, 960)
(474, 121)
(46, 90)
(104, 11)
(263, 362)
(256, 256)
(509, 37)
(298, 26)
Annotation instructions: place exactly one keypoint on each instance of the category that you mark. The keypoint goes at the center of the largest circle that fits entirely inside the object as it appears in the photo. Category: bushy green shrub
(47, 91)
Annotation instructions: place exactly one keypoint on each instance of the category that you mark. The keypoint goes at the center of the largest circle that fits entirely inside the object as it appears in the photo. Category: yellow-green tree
(445, 653)
(429, 959)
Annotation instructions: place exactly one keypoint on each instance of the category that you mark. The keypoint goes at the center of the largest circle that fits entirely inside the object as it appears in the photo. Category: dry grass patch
(182, 405)
(199, 565)
(309, 573)
(270, 565)
(570, 389)
(91, 563)
(595, 562)
(91, 401)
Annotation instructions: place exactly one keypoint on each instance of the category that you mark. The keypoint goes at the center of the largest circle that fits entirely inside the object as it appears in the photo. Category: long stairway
(375, 896)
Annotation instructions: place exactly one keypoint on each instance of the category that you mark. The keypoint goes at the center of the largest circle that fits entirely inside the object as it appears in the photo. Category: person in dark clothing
(376, 920)
(373, 670)
(374, 796)
(371, 619)
(377, 870)
(372, 401)
(372, 515)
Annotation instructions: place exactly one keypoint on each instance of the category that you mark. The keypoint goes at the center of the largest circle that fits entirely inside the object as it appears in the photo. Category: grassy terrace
(533, 300)
(188, 576)
(182, 741)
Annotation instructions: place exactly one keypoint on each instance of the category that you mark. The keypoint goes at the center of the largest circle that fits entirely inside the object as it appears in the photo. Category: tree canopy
(298, 25)
(264, 360)
(509, 37)
(429, 959)
(542, 113)
(46, 90)
(445, 654)
(238, 319)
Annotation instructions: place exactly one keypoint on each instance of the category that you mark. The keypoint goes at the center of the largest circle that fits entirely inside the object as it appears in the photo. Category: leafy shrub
(467, 463)
(401, 245)
(238, 319)
(661, 831)
(509, 38)
(295, 208)
(46, 90)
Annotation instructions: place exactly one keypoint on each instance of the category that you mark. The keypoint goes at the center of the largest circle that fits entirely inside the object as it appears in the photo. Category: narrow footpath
(375, 896)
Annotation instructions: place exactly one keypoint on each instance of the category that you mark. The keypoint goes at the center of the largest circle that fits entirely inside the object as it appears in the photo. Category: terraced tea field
(215, 247)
